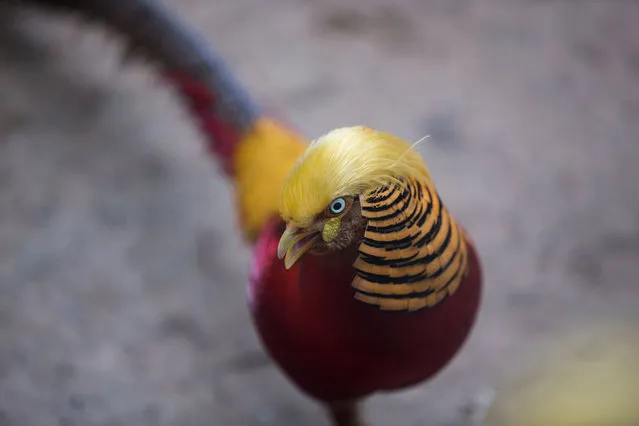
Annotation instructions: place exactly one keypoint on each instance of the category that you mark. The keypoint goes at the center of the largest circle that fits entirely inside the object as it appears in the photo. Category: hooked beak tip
(281, 251)
(286, 242)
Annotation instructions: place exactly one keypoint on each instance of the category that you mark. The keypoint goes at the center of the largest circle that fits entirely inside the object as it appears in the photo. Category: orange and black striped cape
(413, 254)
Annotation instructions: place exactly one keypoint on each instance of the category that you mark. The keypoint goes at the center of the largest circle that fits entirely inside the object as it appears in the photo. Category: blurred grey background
(122, 280)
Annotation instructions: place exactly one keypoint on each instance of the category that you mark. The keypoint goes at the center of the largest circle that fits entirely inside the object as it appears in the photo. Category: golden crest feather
(345, 162)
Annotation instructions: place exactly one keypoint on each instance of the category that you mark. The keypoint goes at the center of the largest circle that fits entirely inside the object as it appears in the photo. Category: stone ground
(122, 279)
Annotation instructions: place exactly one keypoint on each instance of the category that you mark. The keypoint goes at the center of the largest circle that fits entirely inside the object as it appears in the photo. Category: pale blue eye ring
(338, 205)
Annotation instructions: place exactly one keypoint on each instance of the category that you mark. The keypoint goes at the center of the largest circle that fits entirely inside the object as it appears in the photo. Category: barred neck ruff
(413, 254)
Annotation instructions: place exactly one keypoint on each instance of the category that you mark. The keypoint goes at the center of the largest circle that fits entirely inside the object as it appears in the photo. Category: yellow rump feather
(345, 162)
(262, 161)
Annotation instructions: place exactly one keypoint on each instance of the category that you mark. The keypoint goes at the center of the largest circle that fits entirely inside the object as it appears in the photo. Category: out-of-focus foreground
(122, 275)
(582, 379)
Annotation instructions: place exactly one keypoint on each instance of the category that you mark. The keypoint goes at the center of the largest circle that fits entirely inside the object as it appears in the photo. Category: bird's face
(338, 226)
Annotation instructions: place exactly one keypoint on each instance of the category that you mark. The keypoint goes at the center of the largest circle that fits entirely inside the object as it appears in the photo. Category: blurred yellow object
(586, 383)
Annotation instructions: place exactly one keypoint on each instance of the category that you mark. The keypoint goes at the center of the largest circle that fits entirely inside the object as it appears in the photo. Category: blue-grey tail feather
(152, 28)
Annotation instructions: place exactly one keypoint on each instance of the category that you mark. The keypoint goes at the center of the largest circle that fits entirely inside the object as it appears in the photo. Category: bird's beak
(294, 243)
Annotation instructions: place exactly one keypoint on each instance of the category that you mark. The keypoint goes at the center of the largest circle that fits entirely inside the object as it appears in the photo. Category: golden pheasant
(379, 286)
(362, 281)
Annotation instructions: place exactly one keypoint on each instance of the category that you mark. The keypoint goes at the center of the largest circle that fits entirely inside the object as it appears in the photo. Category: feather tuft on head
(348, 161)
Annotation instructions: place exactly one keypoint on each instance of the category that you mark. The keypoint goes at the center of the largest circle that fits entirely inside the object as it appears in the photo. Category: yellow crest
(345, 162)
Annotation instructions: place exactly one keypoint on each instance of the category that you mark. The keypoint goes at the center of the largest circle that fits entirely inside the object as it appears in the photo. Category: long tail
(255, 152)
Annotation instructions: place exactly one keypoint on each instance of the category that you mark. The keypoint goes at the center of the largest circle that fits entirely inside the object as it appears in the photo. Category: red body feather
(336, 348)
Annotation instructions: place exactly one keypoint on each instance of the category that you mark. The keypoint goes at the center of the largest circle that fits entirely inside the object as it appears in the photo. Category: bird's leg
(345, 414)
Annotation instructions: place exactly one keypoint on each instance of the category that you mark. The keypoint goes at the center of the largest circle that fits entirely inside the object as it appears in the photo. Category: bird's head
(321, 195)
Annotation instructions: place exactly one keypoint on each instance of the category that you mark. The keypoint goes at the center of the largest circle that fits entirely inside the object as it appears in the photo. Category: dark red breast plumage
(336, 345)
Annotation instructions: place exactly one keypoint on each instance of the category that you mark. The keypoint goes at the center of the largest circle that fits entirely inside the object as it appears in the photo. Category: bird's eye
(337, 206)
